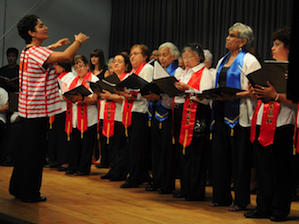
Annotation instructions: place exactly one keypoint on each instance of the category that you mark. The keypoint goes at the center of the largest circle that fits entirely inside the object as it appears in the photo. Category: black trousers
(118, 149)
(58, 146)
(26, 178)
(231, 160)
(192, 163)
(139, 142)
(273, 172)
(80, 155)
(162, 154)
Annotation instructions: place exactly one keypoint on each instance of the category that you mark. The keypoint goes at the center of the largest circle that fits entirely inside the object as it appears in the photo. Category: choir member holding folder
(113, 132)
(160, 116)
(231, 147)
(191, 122)
(271, 133)
(58, 140)
(135, 118)
(81, 119)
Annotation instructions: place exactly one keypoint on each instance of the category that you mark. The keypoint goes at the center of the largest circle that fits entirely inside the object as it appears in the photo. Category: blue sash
(233, 79)
(161, 113)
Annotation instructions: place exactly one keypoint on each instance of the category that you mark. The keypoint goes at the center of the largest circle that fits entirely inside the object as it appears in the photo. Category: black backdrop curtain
(153, 22)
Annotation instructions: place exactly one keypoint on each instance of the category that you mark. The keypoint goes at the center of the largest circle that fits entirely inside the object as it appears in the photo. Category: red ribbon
(253, 121)
(82, 107)
(108, 122)
(268, 126)
(189, 112)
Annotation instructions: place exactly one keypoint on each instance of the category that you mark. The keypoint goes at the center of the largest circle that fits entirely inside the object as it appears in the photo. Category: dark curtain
(293, 77)
(153, 22)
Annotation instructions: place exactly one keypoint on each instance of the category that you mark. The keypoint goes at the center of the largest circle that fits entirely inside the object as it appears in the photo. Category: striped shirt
(38, 89)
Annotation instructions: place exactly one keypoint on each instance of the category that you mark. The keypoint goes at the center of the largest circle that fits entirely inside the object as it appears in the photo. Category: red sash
(98, 121)
(51, 120)
(68, 120)
(268, 125)
(108, 122)
(127, 109)
(189, 112)
(296, 135)
(82, 108)
(62, 75)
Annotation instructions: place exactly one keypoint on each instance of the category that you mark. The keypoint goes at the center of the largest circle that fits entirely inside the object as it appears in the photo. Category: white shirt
(140, 105)
(184, 76)
(65, 79)
(3, 101)
(250, 64)
(92, 110)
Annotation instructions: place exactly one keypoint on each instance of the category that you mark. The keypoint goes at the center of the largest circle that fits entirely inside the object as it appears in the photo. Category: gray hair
(208, 55)
(245, 32)
(172, 48)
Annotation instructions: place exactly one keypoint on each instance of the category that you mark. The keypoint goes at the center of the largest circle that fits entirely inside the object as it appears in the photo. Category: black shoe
(118, 177)
(151, 188)
(102, 166)
(257, 214)
(278, 218)
(61, 168)
(69, 172)
(80, 173)
(193, 199)
(164, 192)
(178, 195)
(128, 185)
(105, 177)
(40, 199)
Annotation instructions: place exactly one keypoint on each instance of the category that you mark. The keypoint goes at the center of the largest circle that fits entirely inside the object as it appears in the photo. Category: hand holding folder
(163, 83)
(75, 94)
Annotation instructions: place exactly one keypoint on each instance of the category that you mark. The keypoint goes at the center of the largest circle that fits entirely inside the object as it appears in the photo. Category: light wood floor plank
(90, 200)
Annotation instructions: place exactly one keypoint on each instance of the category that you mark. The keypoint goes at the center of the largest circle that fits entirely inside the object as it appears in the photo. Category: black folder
(163, 83)
(132, 82)
(109, 83)
(209, 93)
(274, 72)
(79, 89)
(10, 84)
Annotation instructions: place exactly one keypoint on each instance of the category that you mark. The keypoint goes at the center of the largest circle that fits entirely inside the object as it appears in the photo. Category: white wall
(64, 18)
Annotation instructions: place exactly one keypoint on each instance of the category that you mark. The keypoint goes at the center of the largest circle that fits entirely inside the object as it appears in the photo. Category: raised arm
(68, 53)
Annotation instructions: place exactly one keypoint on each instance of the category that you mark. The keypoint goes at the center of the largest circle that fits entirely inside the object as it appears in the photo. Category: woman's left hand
(182, 86)
(263, 92)
(105, 95)
(60, 43)
(151, 96)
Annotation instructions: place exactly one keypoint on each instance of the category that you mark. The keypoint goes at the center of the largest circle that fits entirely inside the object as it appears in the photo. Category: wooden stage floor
(88, 199)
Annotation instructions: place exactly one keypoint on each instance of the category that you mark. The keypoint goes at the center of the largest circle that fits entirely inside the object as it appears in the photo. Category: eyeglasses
(156, 55)
(117, 61)
(232, 35)
(135, 53)
(79, 67)
(188, 58)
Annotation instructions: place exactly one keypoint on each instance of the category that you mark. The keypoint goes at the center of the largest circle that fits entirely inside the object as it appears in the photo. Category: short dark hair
(284, 35)
(126, 60)
(98, 53)
(27, 23)
(12, 50)
(197, 49)
(66, 65)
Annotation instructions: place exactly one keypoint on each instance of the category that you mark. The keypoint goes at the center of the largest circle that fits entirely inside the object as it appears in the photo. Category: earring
(240, 48)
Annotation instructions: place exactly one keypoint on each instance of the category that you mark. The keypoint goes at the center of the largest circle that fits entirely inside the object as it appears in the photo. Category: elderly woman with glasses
(191, 122)
(231, 147)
